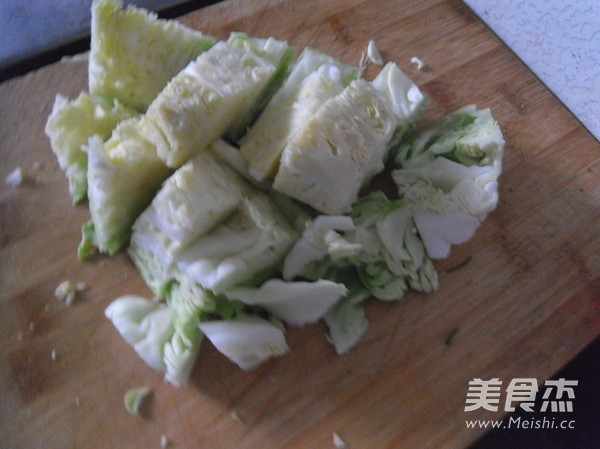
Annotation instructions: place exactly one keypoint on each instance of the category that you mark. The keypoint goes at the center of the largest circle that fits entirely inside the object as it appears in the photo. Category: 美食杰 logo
(556, 396)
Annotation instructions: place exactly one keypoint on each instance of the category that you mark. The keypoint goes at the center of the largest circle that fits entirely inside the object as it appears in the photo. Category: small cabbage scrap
(449, 174)
(246, 340)
(134, 398)
(15, 178)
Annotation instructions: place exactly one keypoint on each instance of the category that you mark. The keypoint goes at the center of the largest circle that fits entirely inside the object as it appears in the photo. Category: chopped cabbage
(246, 340)
(245, 249)
(134, 399)
(124, 173)
(337, 150)
(69, 127)
(166, 337)
(177, 174)
(394, 258)
(278, 53)
(321, 237)
(378, 239)
(143, 324)
(209, 226)
(449, 174)
(314, 78)
(200, 195)
(296, 303)
(347, 321)
(133, 54)
(407, 101)
(208, 98)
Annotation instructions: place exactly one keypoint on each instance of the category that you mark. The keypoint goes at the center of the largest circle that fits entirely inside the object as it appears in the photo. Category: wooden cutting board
(525, 305)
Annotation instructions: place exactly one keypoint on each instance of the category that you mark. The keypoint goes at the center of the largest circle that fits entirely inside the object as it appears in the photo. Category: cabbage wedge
(123, 175)
(314, 78)
(69, 127)
(134, 54)
(210, 227)
(337, 150)
(216, 93)
(346, 142)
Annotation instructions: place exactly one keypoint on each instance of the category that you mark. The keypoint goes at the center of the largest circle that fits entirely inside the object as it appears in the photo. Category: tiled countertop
(559, 41)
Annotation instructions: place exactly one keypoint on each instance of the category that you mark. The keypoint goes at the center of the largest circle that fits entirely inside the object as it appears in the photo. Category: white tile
(559, 41)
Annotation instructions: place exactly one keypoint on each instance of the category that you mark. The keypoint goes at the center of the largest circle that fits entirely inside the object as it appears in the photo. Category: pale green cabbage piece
(449, 174)
(281, 55)
(347, 321)
(337, 150)
(212, 95)
(246, 340)
(166, 337)
(133, 54)
(123, 173)
(377, 241)
(407, 101)
(296, 303)
(394, 258)
(208, 226)
(245, 249)
(69, 127)
(144, 324)
(199, 196)
(322, 237)
(315, 77)
(134, 398)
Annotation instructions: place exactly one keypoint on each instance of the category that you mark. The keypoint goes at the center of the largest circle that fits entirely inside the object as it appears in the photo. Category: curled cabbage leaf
(449, 174)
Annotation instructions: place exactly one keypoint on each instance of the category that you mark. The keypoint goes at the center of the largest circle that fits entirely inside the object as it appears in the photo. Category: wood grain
(525, 305)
